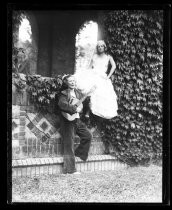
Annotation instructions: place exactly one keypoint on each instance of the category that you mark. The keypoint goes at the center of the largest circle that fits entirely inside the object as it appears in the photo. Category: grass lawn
(134, 184)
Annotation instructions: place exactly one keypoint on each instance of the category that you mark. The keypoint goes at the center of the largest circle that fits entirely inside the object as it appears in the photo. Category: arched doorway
(26, 45)
(85, 44)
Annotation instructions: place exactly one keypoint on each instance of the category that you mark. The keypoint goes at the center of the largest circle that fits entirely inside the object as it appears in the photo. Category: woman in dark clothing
(70, 127)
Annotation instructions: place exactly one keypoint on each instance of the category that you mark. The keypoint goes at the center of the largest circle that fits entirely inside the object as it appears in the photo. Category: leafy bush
(44, 91)
(135, 40)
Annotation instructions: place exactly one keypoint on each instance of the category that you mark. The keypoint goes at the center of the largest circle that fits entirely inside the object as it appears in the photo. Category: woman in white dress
(103, 101)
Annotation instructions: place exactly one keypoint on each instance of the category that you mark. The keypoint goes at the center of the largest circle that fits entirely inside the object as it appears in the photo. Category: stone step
(39, 166)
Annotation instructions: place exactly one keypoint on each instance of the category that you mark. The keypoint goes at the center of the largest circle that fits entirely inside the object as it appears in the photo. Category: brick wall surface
(37, 135)
(38, 166)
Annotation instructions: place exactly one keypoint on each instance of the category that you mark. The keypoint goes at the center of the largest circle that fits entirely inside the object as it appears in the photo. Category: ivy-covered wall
(135, 40)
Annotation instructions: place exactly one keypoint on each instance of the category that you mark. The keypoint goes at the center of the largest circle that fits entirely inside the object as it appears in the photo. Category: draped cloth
(103, 101)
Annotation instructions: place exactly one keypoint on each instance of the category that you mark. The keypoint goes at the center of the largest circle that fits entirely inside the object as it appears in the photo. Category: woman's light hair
(66, 77)
(101, 42)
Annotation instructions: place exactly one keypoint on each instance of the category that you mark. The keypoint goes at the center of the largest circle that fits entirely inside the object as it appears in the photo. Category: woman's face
(71, 82)
(100, 48)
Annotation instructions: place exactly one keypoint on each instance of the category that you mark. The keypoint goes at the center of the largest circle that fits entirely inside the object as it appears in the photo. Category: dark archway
(85, 45)
(26, 40)
(56, 32)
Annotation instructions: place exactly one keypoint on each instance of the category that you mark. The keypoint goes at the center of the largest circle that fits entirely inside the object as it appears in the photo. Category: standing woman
(103, 101)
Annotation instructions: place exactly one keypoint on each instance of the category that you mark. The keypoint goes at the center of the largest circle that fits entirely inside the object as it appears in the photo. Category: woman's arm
(90, 64)
(113, 67)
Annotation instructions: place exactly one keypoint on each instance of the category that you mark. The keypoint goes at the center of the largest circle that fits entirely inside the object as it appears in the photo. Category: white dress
(103, 101)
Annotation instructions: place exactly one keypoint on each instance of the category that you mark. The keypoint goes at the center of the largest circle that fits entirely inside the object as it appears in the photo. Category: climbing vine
(43, 91)
(135, 40)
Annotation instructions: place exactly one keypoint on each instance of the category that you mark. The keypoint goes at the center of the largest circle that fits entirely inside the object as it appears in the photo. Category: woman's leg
(67, 132)
(85, 140)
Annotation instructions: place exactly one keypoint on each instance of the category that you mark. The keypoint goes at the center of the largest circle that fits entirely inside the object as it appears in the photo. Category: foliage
(18, 82)
(16, 21)
(16, 53)
(44, 91)
(135, 40)
(24, 53)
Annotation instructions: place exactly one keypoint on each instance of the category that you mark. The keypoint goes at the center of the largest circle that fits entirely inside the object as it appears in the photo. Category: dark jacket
(64, 100)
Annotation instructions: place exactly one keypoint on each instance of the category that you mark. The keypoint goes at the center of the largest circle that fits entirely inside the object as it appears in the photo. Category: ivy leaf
(132, 134)
(52, 95)
(34, 93)
(141, 34)
(151, 112)
(41, 98)
(140, 75)
(133, 125)
(127, 77)
(140, 115)
(149, 80)
(127, 63)
(139, 98)
(139, 82)
(137, 126)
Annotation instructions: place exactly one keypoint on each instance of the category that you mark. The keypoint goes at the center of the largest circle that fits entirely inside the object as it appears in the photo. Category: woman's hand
(104, 77)
(107, 77)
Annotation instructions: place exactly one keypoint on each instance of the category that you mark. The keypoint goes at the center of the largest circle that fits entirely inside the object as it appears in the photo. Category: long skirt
(103, 100)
